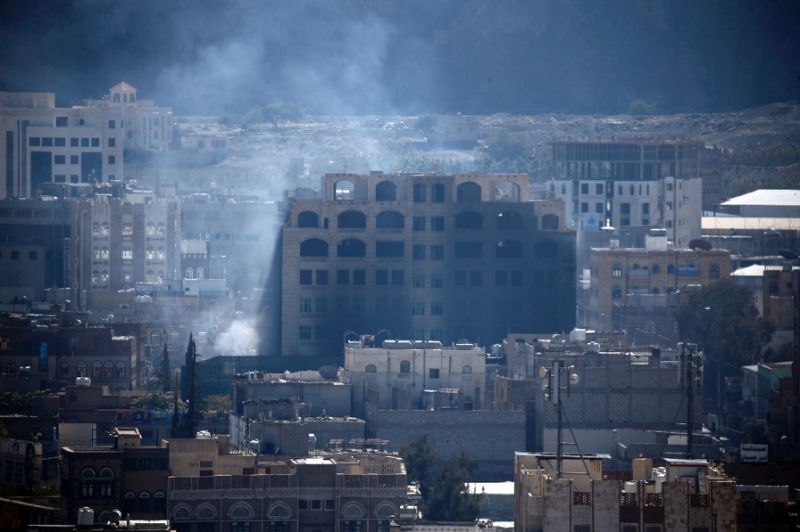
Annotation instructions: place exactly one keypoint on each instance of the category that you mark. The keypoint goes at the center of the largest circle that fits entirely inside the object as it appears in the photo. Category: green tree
(152, 401)
(164, 375)
(194, 411)
(723, 321)
(420, 461)
(448, 498)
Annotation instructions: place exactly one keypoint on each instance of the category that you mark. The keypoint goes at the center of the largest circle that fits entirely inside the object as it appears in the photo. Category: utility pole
(554, 381)
(687, 356)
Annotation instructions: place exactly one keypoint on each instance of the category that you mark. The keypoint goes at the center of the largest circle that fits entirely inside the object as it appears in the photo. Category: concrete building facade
(631, 186)
(396, 375)
(428, 257)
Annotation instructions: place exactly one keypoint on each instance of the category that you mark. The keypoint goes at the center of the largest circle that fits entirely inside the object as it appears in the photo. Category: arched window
(546, 249)
(550, 222)
(120, 369)
(87, 473)
(63, 368)
(351, 247)
(351, 220)
(279, 511)
(182, 512)
(308, 219)
(344, 190)
(670, 268)
(385, 191)
(508, 249)
(405, 366)
(505, 191)
(509, 220)
(206, 512)
(108, 370)
(390, 220)
(81, 369)
(386, 511)
(241, 511)
(97, 370)
(370, 368)
(106, 472)
(116, 97)
(313, 247)
(466, 370)
(200, 273)
(189, 273)
(469, 220)
(352, 511)
(468, 191)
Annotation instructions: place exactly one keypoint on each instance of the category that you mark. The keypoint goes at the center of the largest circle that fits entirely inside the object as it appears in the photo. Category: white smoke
(239, 339)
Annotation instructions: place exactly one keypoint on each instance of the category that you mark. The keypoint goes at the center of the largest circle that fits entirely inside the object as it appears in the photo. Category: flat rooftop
(777, 197)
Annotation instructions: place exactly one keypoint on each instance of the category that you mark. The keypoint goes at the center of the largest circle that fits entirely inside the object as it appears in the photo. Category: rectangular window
(437, 193)
(342, 277)
(60, 178)
(500, 278)
(112, 124)
(302, 504)
(305, 332)
(516, 278)
(62, 121)
(419, 334)
(95, 142)
(419, 223)
(330, 504)
(316, 504)
(305, 276)
(73, 142)
(419, 192)
(381, 277)
(584, 188)
(398, 277)
(305, 304)
(112, 159)
(437, 252)
(418, 309)
(74, 159)
(419, 280)
(437, 308)
(60, 142)
(598, 188)
(34, 141)
(598, 207)
(385, 248)
(85, 142)
(359, 277)
(47, 141)
(625, 214)
(322, 277)
(60, 159)
(127, 254)
(476, 278)
(112, 142)
(433, 373)
(32, 255)
(460, 278)
(437, 280)
(468, 250)
(584, 207)
(437, 223)
(418, 251)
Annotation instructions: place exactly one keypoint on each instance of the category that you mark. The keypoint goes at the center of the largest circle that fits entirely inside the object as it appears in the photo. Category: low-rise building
(359, 491)
(395, 375)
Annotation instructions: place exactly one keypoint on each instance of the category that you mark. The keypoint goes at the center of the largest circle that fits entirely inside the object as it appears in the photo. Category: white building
(41, 143)
(400, 373)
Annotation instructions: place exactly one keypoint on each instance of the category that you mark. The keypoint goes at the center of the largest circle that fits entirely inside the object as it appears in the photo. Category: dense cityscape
(393, 318)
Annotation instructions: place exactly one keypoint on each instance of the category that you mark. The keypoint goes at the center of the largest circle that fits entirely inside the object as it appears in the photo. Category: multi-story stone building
(42, 143)
(126, 476)
(631, 186)
(624, 281)
(684, 495)
(429, 257)
(352, 492)
(397, 374)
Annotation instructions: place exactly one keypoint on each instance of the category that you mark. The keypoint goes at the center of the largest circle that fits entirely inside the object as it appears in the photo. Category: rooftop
(778, 197)
(749, 223)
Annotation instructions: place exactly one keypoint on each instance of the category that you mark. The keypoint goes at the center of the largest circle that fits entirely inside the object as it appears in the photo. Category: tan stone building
(397, 374)
(626, 283)
(423, 256)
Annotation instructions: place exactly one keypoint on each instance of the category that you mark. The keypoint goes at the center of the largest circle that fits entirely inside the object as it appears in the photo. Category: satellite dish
(328, 372)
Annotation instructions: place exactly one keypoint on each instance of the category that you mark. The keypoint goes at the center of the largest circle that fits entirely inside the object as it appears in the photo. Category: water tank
(592, 347)
(83, 381)
(85, 516)
(577, 335)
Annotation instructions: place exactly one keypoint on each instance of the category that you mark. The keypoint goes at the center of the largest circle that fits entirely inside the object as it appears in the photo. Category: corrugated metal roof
(777, 197)
(749, 223)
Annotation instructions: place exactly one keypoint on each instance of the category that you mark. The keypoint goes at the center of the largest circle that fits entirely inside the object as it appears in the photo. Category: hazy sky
(409, 56)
